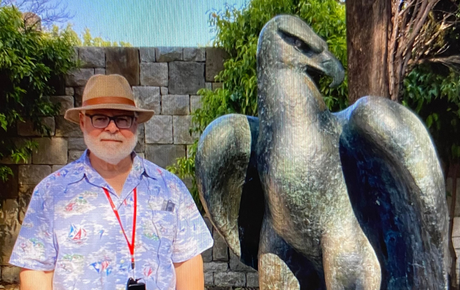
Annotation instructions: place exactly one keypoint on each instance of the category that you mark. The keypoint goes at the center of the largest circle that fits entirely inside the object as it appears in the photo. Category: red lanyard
(115, 211)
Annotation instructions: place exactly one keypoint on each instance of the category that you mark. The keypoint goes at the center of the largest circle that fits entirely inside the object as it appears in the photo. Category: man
(111, 218)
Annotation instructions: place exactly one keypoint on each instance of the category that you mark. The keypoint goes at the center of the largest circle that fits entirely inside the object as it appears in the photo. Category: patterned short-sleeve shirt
(71, 228)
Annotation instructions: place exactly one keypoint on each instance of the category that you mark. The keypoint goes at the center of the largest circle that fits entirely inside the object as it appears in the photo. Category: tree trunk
(367, 43)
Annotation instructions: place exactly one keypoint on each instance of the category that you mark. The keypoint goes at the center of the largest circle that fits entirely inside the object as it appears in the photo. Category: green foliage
(30, 61)
(237, 33)
(89, 40)
(435, 96)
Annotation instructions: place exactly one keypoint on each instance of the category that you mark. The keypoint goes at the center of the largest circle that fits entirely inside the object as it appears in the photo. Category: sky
(148, 22)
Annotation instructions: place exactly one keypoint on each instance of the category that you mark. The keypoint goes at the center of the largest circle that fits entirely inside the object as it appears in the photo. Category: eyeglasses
(102, 121)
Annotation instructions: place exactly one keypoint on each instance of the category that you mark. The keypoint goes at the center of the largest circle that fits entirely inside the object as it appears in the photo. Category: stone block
(230, 279)
(175, 105)
(185, 77)
(91, 56)
(195, 103)
(215, 267)
(209, 278)
(55, 168)
(147, 54)
(154, 74)
(32, 174)
(207, 255)
(10, 274)
(78, 77)
(50, 151)
(159, 130)
(66, 102)
(164, 91)
(220, 249)
(208, 86)
(216, 86)
(148, 98)
(66, 128)
(194, 54)
(215, 58)
(69, 91)
(252, 279)
(25, 193)
(78, 96)
(26, 129)
(76, 144)
(123, 61)
(164, 155)
(9, 228)
(9, 212)
(74, 155)
(168, 54)
(236, 265)
(99, 71)
(9, 188)
(181, 130)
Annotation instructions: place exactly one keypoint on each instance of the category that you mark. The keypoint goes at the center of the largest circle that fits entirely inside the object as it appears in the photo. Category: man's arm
(35, 280)
(189, 274)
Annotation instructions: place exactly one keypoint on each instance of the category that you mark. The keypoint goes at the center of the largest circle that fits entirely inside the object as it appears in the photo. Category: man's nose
(112, 127)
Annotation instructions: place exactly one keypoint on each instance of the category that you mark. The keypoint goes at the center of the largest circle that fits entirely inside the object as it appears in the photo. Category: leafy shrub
(30, 61)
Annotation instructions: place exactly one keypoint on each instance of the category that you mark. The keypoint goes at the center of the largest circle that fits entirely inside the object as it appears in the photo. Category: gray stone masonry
(181, 134)
(175, 105)
(66, 102)
(159, 130)
(154, 74)
(147, 54)
(164, 155)
(186, 77)
(165, 80)
(50, 151)
(123, 61)
(168, 54)
(27, 128)
(91, 57)
(148, 98)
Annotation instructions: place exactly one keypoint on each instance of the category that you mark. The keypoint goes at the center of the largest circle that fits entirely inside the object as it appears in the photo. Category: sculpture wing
(229, 185)
(397, 189)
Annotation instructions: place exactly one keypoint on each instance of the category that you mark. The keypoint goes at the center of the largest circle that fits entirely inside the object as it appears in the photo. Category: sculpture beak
(332, 67)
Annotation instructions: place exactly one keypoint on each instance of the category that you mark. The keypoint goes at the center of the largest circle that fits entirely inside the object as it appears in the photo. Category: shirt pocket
(159, 231)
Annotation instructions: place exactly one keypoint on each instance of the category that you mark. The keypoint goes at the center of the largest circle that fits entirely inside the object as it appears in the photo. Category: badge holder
(134, 285)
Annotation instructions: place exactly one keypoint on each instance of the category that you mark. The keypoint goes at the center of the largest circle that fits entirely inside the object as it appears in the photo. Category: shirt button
(120, 231)
(122, 261)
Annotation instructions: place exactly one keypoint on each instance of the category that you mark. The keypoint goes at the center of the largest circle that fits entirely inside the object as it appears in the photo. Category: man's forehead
(109, 112)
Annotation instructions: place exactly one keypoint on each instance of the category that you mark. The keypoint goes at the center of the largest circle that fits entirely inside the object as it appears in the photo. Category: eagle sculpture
(321, 200)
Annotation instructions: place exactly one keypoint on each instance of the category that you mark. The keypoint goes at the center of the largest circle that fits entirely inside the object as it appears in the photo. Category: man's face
(111, 143)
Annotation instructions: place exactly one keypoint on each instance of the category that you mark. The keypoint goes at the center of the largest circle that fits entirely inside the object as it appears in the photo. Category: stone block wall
(164, 79)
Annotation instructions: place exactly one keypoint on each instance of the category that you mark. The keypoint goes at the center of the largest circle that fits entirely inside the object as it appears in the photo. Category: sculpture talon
(317, 200)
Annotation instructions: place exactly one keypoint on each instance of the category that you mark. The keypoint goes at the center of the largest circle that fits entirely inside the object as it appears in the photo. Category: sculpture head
(288, 41)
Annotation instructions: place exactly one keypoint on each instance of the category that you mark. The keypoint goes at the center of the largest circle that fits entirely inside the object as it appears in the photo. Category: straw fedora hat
(108, 92)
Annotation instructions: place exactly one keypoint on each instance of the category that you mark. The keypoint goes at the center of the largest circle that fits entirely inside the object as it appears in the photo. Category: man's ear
(82, 120)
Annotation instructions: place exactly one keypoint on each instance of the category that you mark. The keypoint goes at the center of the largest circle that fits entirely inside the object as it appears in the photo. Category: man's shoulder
(69, 173)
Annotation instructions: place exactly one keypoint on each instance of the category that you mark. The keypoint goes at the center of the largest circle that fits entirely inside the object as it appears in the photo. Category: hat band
(108, 100)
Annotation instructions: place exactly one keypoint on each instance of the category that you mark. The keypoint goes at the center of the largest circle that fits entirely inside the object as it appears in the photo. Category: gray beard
(110, 154)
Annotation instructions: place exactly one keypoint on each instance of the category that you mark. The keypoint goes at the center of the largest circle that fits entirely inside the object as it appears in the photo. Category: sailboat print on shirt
(77, 234)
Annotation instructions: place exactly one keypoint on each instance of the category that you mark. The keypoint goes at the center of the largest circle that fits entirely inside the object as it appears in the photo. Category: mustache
(108, 136)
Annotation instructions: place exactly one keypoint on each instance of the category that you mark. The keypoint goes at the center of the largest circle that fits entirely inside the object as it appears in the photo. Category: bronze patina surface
(321, 200)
